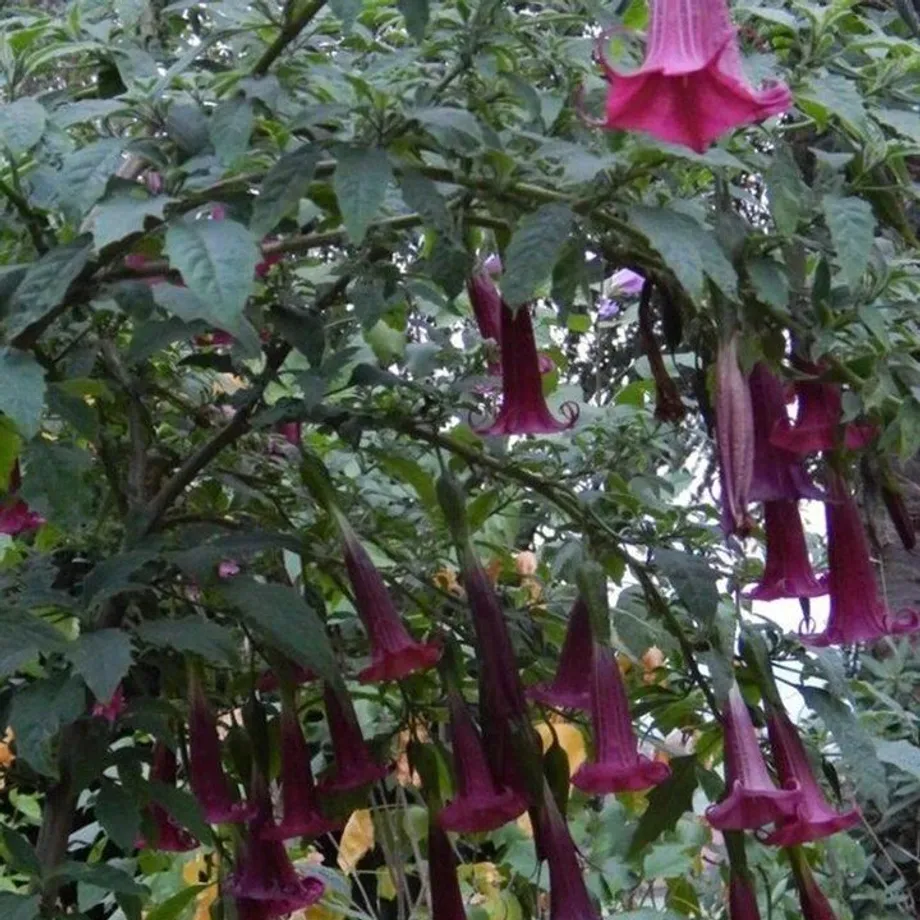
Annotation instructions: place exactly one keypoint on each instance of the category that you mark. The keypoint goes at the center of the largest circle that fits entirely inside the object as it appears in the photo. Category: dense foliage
(246, 366)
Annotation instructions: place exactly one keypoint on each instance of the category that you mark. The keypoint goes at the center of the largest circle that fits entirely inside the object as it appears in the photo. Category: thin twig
(289, 32)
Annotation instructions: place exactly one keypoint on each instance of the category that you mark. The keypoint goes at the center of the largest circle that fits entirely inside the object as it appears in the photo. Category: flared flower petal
(617, 764)
(814, 817)
(523, 407)
(169, 836)
(394, 653)
(571, 687)
(479, 804)
(857, 612)
(788, 571)
(753, 799)
(691, 88)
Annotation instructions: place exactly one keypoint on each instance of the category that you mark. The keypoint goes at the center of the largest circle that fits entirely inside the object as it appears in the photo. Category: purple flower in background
(814, 818)
(571, 687)
(617, 764)
(753, 799)
(607, 308)
(228, 568)
(169, 837)
(691, 87)
(626, 281)
(292, 432)
(788, 571)
(479, 803)
(154, 181)
(15, 515)
(492, 265)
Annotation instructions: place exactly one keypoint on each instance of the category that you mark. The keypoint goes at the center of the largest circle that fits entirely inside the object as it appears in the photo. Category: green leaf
(38, 712)
(852, 226)
(172, 908)
(189, 307)
(789, 196)
(22, 124)
(901, 754)
(22, 394)
(533, 252)
(19, 906)
(101, 658)
(456, 129)
(188, 127)
(21, 853)
(362, 175)
(693, 580)
(422, 195)
(832, 94)
(191, 634)
(412, 473)
(46, 283)
(770, 282)
(416, 14)
(230, 129)
(347, 11)
(856, 745)
(667, 860)
(86, 174)
(22, 637)
(217, 259)
(117, 812)
(53, 484)
(666, 804)
(183, 807)
(124, 214)
(282, 188)
(101, 875)
(286, 621)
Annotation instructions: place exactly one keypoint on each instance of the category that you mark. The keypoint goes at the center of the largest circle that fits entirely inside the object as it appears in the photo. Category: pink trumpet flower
(742, 899)
(480, 804)
(857, 612)
(446, 898)
(354, 765)
(617, 764)
(569, 898)
(571, 687)
(170, 836)
(264, 873)
(394, 653)
(734, 439)
(206, 772)
(15, 515)
(301, 814)
(817, 424)
(814, 818)
(487, 306)
(753, 800)
(523, 408)
(812, 899)
(111, 711)
(691, 87)
(788, 571)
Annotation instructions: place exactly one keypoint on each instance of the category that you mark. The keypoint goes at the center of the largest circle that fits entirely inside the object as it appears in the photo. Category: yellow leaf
(525, 824)
(571, 740)
(385, 887)
(357, 840)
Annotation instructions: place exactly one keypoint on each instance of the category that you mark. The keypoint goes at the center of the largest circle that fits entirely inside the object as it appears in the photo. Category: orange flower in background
(446, 580)
(525, 563)
(404, 775)
(7, 757)
(494, 570)
(652, 660)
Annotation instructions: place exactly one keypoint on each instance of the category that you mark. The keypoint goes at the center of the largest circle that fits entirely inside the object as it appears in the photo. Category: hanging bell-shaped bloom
(812, 899)
(111, 711)
(817, 423)
(857, 612)
(487, 307)
(394, 653)
(446, 898)
(569, 898)
(301, 815)
(480, 804)
(778, 474)
(209, 783)
(788, 571)
(354, 765)
(15, 515)
(523, 407)
(617, 764)
(571, 687)
(814, 817)
(742, 899)
(169, 837)
(292, 432)
(691, 88)
(734, 438)
(264, 872)
(753, 799)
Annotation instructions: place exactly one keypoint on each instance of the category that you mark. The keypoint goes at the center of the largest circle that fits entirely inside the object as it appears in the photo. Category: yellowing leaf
(571, 740)
(385, 887)
(525, 824)
(357, 840)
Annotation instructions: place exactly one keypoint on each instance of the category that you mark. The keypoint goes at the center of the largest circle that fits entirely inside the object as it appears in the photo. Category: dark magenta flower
(617, 764)
(479, 804)
(354, 765)
(15, 515)
(814, 818)
(228, 568)
(753, 799)
(817, 423)
(571, 687)
(523, 408)
(394, 653)
(691, 88)
(812, 899)
(209, 783)
(788, 571)
(487, 307)
(301, 815)
(857, 612)
(111, 711)
(778, 474)
(446, 898)
(734, 438)
(292, 432)
(170, 836)
(569, 898)
(742, 899)
(269, 680)
(264, 267)
(154, 181)
(264, 873)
